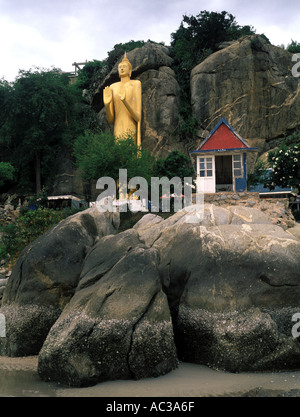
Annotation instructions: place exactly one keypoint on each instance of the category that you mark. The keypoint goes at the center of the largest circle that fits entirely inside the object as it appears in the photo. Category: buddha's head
(125, 67)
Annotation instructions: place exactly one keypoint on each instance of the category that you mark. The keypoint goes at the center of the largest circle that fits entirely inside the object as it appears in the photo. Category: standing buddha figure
(123, 103)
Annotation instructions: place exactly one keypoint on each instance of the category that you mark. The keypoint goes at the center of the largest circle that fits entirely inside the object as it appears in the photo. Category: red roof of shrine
(222, 138)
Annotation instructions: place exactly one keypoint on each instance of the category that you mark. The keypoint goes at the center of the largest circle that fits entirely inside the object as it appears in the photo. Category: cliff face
(151, 64)
(251, 84)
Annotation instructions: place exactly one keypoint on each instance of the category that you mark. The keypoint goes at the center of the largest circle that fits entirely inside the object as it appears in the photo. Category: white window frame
(237, 166)
(206, 166)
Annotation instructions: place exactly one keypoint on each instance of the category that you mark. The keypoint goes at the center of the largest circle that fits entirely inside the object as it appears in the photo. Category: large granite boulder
(160, 107)
(233, 287)
(118, 323)
(45, 277)
(221, 291)
(149, 57)
(251, 84)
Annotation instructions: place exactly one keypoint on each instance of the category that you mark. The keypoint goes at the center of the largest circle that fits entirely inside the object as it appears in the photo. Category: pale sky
(47, 33)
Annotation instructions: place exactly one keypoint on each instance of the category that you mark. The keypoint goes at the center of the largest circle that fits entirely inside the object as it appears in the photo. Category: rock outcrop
(221, 291)
(45, 277)
(251, 84)
(117, 328)
(151, 64)
(248, 81)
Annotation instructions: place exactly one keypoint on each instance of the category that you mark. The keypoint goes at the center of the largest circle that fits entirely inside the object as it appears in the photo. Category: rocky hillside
(151, 64)
(249, 82)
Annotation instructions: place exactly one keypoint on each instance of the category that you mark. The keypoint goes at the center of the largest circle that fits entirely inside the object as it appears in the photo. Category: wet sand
(18, 377)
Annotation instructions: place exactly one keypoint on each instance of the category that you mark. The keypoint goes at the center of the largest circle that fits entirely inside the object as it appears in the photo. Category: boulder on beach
(45, 277)
(220, 291)
(118, 327)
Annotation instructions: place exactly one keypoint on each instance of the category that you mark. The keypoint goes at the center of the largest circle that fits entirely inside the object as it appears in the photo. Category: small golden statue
(123, 103)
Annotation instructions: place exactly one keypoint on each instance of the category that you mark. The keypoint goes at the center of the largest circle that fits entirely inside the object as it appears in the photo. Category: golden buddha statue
(123, 103)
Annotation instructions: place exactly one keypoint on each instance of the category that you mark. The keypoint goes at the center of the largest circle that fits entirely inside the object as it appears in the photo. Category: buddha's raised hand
(122, 92)
(107, 95)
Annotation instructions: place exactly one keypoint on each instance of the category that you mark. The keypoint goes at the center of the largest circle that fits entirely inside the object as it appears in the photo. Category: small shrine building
(221, 160)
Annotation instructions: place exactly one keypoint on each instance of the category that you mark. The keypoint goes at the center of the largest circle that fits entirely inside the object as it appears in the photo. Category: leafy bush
(6, 172)
(9, 242)
(86, 74)
(176, 164)
(259, 175)
(100, 154)
(28, 227)
(285, 163)
(3, 251)
(294, 47)
(119, 50)
(34, 223)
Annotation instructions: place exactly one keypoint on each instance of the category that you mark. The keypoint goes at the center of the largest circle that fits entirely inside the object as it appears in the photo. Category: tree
(294, 47)
(6, 173)
(40, 121)
(177, 164)
(99, 154)
(86, 74)
(100, 69)
(119, 49)
(204, 33)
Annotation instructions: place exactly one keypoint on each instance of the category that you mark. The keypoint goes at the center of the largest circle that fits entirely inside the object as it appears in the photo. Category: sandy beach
(18, 377)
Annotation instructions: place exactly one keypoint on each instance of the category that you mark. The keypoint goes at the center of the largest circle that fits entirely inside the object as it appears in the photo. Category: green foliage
(292, 139)
(6, 172)
(285, 164)
(100, 69)
(28, 227)
(3, 251)
(8, 240)
(187, 126)
(176, 164)
(259, 175)
(294, 47)
(100, 154)
(40, 108)
(86, 74)
(119, 50)
(5, 107)
(204, 33)
(34, 223)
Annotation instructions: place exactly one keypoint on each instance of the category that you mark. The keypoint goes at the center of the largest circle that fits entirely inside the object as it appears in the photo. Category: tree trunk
(38, 181)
